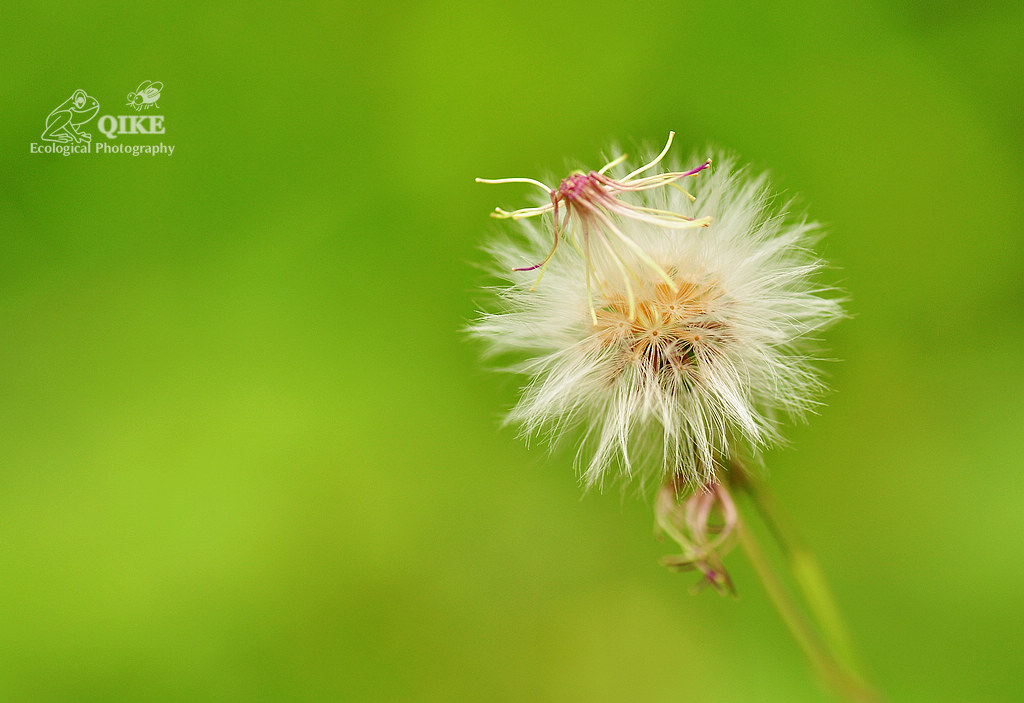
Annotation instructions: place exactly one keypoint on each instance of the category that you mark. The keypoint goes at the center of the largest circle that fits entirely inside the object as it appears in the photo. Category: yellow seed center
(670, 331)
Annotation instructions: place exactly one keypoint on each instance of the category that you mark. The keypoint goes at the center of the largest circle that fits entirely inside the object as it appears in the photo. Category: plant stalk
(823, 636)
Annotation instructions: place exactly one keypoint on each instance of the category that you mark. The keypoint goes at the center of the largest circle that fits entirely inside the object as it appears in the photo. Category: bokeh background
(247, 454)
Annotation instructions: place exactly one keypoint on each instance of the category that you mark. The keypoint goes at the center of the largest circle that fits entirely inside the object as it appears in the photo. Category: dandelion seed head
(667, 346)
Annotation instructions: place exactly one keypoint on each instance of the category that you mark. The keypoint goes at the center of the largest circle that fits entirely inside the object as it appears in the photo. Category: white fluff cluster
(665, 375)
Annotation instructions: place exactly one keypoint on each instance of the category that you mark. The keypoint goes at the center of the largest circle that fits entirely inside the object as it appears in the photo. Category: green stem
(806, 572)
(828, 646)
(844, 682)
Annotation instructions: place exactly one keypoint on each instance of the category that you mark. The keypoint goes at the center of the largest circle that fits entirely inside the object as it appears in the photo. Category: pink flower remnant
(593, 201)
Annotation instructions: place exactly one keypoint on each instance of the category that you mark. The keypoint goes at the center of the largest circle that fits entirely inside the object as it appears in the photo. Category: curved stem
(844, 681)
(806, 572)
(826, 641)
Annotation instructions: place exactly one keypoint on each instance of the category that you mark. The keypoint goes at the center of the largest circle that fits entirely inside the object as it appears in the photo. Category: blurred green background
(246, 453)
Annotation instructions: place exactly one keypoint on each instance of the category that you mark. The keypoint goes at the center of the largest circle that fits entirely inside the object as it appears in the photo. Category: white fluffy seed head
(697, 365)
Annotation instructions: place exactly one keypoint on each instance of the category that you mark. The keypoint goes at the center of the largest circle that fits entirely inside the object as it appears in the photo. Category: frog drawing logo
(64, 123)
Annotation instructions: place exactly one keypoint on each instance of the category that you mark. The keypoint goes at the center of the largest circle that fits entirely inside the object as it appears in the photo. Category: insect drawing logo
(64, 123)
(145, 96)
